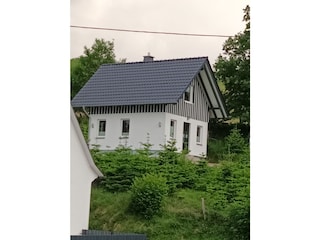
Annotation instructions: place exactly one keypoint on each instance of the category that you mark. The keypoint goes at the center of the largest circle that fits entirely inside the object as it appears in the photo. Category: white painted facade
(154, 127)
(83, 172)
(196, 148)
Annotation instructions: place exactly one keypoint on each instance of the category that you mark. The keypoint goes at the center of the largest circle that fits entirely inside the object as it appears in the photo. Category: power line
(153, 32)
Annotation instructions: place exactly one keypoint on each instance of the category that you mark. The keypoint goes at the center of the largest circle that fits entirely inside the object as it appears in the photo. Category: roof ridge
(162, 60)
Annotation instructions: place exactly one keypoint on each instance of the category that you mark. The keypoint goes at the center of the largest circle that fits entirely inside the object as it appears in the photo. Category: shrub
(237, 221)
(120, 168)
(147, 195)
(169, 153)
(235, 142)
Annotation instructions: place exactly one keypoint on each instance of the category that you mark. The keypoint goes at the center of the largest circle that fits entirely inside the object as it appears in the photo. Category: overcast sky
(221, 17)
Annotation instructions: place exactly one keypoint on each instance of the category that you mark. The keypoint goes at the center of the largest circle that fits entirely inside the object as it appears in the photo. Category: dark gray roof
(103, 235)
(155, 82)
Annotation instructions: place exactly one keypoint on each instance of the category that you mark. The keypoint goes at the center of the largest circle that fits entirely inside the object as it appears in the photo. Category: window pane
(172, 128)
(102, 128)
(125, 127)
(187, 94)
(199, 128)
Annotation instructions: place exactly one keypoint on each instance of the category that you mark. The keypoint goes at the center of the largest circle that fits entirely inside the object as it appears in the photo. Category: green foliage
(169, 153)
(121, 167)
(179, 172)
(237, 221)
(235, 142)
(84, 67)
(225, 149)
(83, 123)
(225, 188)
(230, 191)
(233, 70)
(147, 195)
(107, 209)
(216, 150)
(146, 148)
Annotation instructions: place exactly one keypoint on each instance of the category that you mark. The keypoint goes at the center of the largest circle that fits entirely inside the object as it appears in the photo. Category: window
(188, 94)
(173, 124)
(102, 128)
(199, 134)
(125, 127)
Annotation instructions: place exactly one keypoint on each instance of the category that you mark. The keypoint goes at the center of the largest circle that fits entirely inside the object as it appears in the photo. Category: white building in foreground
(83, 172)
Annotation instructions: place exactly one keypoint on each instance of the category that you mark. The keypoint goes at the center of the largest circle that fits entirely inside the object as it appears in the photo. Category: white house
(83, 172)
(132, 103)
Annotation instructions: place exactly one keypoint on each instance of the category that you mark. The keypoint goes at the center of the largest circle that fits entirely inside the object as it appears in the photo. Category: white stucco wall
(195, 148)
(82, 176)
(140, 125)
(156, 124)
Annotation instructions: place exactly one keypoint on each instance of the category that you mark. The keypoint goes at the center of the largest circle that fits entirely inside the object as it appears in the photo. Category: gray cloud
(202, 16)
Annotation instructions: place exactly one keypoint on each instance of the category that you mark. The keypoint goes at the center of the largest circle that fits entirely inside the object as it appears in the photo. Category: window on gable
(173, 124)
(199, 134)
(188, 94)
(102, 128)
(125, 127)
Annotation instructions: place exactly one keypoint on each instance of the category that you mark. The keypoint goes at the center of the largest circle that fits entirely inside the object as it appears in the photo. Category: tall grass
(182, 217)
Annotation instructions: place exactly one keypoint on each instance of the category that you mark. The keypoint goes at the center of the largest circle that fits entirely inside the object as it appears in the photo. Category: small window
(125, 127)
(102, 128)
(199, 134)
(188, 94)
(173, 124)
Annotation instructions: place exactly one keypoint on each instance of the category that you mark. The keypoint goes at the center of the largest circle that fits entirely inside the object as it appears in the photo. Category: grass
(181, 218)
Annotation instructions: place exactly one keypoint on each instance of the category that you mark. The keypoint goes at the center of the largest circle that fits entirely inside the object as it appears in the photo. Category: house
(83, 172)
(152, 101)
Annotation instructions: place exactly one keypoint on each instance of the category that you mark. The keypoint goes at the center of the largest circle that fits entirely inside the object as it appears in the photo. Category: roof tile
(138, 83)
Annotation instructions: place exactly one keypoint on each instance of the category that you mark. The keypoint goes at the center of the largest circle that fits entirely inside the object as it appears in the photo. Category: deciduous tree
(233, 69)
(84, 67)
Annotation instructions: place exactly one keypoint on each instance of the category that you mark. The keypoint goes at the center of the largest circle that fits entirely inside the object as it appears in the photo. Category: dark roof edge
(224, 110)
(103, 105)
(154, 61)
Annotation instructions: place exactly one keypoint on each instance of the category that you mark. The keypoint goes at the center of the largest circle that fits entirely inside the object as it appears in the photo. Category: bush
(147, 195)
(237, 224)
(235, 142)
(169, 153)
(121, 167)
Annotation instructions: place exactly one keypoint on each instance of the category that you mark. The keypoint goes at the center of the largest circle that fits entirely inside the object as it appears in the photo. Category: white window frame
(105, 128)
(200, 136)
(125, 134)
(190, 90)
(173, 129)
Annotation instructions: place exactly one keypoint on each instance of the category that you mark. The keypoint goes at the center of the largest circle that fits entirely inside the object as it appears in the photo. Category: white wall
(140, 125)
(195, 148)
(156, 124)
(82, 176)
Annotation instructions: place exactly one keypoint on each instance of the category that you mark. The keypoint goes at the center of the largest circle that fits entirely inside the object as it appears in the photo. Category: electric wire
(151, 32)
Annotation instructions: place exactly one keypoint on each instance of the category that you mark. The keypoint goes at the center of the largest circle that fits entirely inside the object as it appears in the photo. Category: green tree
(84, 67)
(233, 70)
